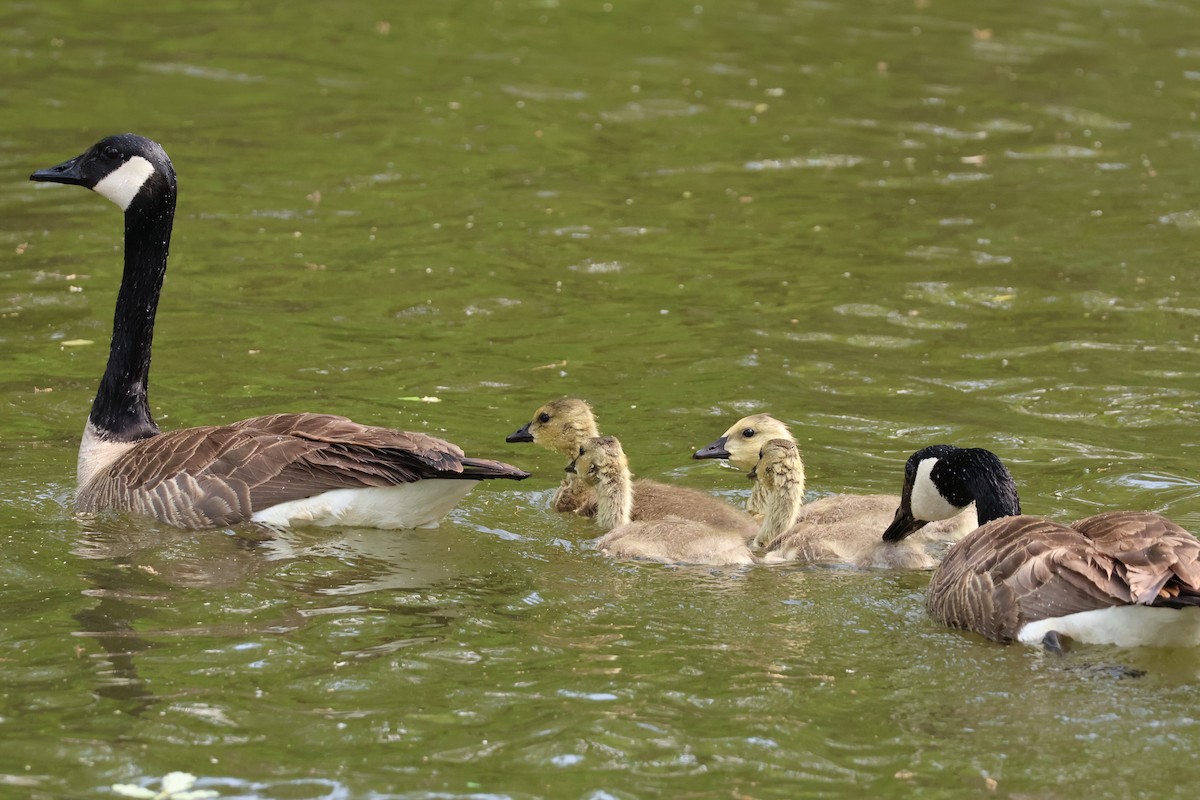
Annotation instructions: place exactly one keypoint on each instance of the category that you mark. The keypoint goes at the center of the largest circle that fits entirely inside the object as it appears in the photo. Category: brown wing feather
(1160, 560)
(222, 475)
(1020, 569)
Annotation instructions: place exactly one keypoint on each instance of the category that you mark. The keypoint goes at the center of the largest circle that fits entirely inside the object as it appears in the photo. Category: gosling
(562, 426)
(741, 445)
(671, 539)
(789, 536)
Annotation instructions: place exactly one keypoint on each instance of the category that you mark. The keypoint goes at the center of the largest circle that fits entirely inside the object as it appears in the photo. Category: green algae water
(887, 223)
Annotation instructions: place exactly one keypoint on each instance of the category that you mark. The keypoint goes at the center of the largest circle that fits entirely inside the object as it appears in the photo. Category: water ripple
(196, 71)
(652, 109)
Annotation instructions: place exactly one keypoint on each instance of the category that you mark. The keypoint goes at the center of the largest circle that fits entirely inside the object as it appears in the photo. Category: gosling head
(599, 457)
(744, 439)
(778, 462)
(127, 169)
(560, 426)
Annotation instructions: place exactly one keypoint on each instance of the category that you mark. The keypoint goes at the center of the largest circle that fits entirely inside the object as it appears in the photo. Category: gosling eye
(580, 449)
(748, 433)
(543, 417)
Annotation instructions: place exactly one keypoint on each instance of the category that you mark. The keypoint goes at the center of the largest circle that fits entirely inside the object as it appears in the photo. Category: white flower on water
(175, 786)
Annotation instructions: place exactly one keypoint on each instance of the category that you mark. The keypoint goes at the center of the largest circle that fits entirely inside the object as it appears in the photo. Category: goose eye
(748, 433)
(543, 417)
(111, 152)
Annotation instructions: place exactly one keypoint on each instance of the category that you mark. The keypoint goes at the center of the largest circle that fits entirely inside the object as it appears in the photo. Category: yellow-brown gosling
(563, 425)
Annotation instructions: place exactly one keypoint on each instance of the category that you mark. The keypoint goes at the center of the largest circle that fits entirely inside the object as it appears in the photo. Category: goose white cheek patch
(122, 184)
(927, 502)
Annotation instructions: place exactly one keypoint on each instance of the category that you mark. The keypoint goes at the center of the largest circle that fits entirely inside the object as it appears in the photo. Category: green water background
(888, 223)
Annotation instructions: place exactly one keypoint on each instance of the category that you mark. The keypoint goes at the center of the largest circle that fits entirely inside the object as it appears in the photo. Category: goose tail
(484, 468)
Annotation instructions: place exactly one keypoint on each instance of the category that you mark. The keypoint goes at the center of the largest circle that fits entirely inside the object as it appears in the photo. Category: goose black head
(122, 168)
(942, 480)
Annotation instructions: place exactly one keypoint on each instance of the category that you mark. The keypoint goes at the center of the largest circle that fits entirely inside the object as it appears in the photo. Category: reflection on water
(140, 567)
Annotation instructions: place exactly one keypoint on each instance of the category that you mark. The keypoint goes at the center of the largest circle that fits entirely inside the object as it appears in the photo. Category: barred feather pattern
(215, 476)
(1016, 570)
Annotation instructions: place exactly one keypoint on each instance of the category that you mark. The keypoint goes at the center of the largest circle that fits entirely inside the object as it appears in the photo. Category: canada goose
(601, 463)
(1124, 577)
(564, 425)
(275, 470)
(561, 426)
(788, 536)
(741, 444)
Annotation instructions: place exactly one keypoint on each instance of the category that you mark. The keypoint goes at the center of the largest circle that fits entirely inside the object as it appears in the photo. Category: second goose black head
(941, 480)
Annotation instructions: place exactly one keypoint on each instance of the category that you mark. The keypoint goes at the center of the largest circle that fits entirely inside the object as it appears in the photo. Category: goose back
(226, 475)
(1015, 571)
(653, 500)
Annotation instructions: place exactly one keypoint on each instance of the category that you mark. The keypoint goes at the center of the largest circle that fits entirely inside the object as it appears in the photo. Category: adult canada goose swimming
(275, 470)
(564, 425)
(601, 463)
(848, 540)
(741, 445)
(1124, 577)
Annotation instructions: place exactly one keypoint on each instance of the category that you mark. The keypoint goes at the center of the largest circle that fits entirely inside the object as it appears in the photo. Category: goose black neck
(121, 411)
(990, 485)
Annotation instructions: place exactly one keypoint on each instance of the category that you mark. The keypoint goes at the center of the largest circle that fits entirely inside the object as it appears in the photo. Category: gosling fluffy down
(741, 445)
(562, 426)
(602, 464)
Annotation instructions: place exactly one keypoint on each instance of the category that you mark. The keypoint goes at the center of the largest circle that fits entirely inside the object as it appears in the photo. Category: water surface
(888, 223)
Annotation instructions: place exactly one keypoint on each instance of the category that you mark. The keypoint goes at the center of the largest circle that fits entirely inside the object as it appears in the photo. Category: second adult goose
(741, 445)
(564, 425)
(275, 470)
(601, 463)
(1124, 577)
